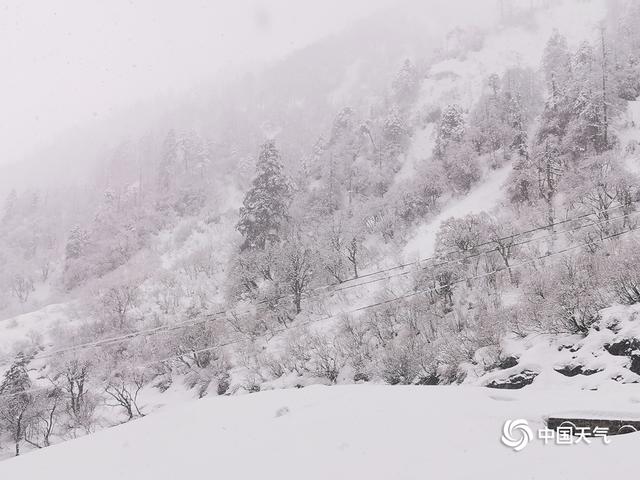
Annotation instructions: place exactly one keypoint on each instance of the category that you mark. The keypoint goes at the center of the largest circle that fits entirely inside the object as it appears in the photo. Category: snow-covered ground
(482, 198)
(33, 327)
(364, 431)
(592, 355)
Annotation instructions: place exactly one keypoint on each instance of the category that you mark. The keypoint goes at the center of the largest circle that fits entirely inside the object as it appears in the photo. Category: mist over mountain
(437, 194)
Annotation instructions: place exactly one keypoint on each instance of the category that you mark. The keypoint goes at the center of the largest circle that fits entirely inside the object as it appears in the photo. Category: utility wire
(403, 297)
(485, 252)
(373, 305)
(216, 315)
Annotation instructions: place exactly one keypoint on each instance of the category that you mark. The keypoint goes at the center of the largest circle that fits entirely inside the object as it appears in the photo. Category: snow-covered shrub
(327, 356)
(624, 274)
(462, 167)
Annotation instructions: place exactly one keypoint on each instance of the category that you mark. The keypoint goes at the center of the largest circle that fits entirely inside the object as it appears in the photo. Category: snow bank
(589, 362)
(371, 432)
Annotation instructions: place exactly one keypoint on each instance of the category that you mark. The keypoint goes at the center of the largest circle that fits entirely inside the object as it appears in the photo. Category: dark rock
(516, 381)
(573, 370)
(571, 348)
(623, 348)
(587, 426)
(508, 362)
(629, 347)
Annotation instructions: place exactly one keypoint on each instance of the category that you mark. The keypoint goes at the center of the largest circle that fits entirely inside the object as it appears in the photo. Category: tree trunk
(605, 122)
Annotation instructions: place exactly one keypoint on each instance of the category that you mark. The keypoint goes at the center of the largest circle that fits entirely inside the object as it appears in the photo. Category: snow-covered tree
(406, 84)
(266, 205)
(17, 400)
(451, 129)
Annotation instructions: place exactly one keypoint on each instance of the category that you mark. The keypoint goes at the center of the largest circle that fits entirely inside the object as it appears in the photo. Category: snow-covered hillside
(465, 222)
(608, 354)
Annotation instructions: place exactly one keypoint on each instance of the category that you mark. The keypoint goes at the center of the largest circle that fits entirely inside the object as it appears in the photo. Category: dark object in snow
(515, 382)
(282, 411)
(588, 423)
(614, 326)
(627, 348)
(428, 380)
(508, 362)
(360, 377)
(571, 348)
(573, 370)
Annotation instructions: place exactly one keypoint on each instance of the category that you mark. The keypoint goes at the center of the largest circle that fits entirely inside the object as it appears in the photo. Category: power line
(485, 252)
(405, 296)
(488, 242)
(370, 306)
(215, 315)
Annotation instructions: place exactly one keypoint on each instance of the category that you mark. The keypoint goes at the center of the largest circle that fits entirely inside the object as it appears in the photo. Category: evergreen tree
(395, 135)
(557, 66)
(406, 85)
(451, 129)
(17, 401)
(515, 118)
(342, 125)
(266, 204)
(76, 243)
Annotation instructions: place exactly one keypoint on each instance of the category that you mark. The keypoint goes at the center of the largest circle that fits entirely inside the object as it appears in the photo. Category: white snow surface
(481, 198)
(37, 324)
(365, 431)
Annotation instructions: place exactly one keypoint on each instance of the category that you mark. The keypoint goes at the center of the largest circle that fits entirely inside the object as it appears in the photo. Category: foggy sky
(73, 62)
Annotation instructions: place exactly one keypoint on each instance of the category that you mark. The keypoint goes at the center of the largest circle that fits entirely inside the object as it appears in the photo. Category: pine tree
(451, 129)
(406, 85)
(342, 125)
(515, 118)
(266, 204)
(395, 134)
(76, 243)
(557, 65)
(17, 401)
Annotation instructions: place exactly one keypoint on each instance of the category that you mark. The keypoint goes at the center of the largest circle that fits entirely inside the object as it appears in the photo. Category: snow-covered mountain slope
(609, 353)
(462, 80)
(344, 432)
(368, 432)
(482, 198)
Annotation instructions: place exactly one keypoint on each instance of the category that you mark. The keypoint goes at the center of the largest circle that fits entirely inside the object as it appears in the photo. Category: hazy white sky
(65, 63)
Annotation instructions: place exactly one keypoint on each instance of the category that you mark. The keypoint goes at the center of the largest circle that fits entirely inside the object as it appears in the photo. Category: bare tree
(296, 267)
(72, 377)
(21, 287)
(45, 418)
(123, 387)
(119, 299)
